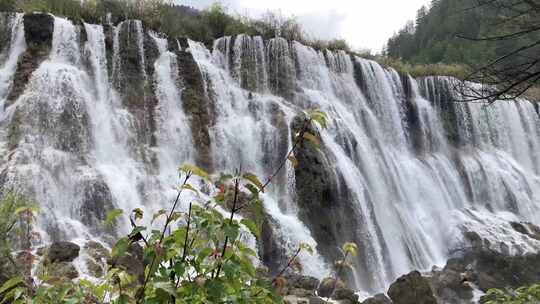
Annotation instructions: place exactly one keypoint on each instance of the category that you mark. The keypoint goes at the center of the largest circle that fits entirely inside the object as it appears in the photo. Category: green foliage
(523, 295)
(112, 217)
(459, 71)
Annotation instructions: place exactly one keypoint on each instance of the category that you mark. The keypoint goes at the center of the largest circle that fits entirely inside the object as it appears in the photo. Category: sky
(365, 24)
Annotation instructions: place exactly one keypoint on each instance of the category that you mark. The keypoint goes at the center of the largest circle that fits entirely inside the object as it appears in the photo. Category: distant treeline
(178, 20)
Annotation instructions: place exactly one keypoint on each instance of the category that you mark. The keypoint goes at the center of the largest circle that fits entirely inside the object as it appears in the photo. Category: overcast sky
(363, 23)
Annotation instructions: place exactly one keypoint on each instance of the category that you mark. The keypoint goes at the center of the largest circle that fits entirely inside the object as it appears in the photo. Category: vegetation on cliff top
(178, 20)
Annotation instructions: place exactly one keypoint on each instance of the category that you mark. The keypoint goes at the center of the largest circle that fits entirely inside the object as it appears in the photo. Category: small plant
(523, 295)
(348, 250)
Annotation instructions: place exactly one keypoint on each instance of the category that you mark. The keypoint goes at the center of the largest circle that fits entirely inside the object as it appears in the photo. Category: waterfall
(403, 171)
(10, 56)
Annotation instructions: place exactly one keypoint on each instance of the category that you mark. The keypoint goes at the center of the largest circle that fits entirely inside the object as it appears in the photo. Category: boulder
(62, 271)
(62, 252)
(411, 288)
(378, 299)
(96, 250)
(452, 284)
(302, 282)
(327, 287)
(345, 294)
(317, 300)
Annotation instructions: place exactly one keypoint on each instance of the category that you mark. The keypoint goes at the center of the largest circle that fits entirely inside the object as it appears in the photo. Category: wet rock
(272, 252)
(96, 250)
(134, 82)
(132, 262)
(345, 294)
(303, 282)
(95, 269)
(62, 271)
(412, 288)
(321, 201)
(327, 287)
(317, 300)
(299, 292)
(5, 32)
(197, 105)
(527, 229)
(62, 252)
(281, 69)
(452, 285)
(378, 299)
(96, 203)
(97, 258)
(38, 30)
(497, 270)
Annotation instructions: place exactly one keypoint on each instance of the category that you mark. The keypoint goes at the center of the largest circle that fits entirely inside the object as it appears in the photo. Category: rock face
(38, 30)
(196, 104)
(133, 74)
(322, 201)
(527, 229)
(96, 203)
(411, 289)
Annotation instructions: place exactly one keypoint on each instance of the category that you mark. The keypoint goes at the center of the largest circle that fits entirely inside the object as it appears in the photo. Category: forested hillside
(496, 41)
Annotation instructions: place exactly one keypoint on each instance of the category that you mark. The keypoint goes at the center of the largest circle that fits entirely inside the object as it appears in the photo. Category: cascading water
(10, 55)
(103, 123)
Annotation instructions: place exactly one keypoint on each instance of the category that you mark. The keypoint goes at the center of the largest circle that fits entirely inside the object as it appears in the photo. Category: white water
(17, 46)
(413, 191)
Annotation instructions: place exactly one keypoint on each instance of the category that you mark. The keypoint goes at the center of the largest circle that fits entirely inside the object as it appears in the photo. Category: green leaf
(112, 216)
(251, 226)
(190, 188)
(167, 287)
(175, 216)
(158, 214)
(120, 248)
(32, 210)
(254, 180)
(319, 117)
(312, 139)
(11, 283)
(231, 230)
(194, 170)
(137, 230)
(252, 189)
(138, 213)
(350, 248)
(307, 248)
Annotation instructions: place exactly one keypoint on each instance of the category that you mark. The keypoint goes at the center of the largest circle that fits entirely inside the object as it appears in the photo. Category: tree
(516, 67)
